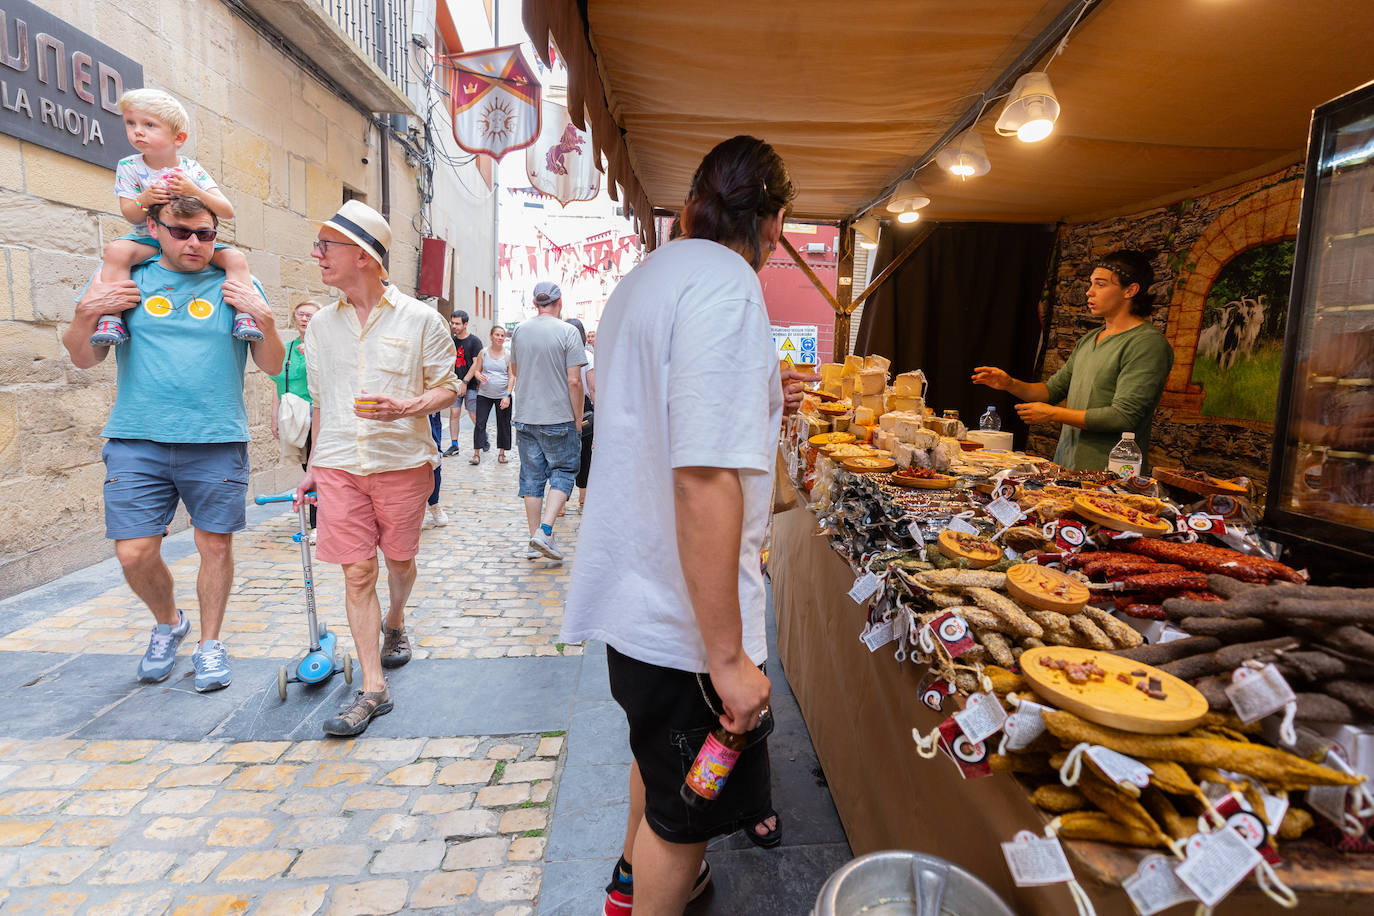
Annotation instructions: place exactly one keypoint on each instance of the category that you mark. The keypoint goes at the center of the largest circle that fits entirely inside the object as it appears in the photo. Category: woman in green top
(1114, 377)
(292, 376)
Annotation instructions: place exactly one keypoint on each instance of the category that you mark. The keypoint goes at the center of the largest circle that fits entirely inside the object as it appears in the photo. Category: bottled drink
(1124, 460)
(990, 420)
(712, 767)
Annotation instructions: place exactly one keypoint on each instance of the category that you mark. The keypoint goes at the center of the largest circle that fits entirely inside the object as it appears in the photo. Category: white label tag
(1256, 694)
(1155, 887)
(1005, 511)
(1009, 553)
(1274, 810)
(1216, 863)
(1170, 634)
(981, 718)
(915, 532)
(1024, 726)
(1329, 802)
(1036, 860)
(878, 635)
(963, 527)
(865, 587)
(1118, 767)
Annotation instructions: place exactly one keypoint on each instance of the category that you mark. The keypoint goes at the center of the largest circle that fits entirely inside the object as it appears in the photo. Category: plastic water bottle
(1124, 460)
(989, 420)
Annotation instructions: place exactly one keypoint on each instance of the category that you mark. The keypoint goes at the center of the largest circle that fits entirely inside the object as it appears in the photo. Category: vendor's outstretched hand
(992, 377)
(1036, 412)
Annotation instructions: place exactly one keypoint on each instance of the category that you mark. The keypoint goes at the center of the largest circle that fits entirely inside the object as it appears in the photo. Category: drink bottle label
(711, 768)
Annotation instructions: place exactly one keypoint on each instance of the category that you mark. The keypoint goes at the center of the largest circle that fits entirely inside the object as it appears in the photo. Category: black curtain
(968, 296)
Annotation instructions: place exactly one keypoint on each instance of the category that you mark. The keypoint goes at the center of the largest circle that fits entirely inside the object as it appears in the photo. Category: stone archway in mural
(1268, 216)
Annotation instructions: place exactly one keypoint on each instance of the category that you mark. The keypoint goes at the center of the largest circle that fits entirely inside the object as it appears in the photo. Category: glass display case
(1322, 476)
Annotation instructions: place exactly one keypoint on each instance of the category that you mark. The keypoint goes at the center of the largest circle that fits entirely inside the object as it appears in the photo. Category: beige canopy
(1160, 97)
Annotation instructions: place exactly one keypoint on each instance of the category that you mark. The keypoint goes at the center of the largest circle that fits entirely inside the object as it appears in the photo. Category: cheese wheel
(830, 439)
(1046, 589)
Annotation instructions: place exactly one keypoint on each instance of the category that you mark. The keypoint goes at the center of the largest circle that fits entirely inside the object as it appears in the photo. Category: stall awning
(1159, 97)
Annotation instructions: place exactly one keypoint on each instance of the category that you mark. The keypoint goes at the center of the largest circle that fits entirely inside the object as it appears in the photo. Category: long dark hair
(577, 323)
(1133, 267)
(740, 183)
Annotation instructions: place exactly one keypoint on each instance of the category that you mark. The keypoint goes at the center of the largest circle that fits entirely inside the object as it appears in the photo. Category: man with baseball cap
(379, 363)
(545, 368)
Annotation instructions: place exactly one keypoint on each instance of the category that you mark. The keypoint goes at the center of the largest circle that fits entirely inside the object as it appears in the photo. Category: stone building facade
(1192, 241)
(288, 137)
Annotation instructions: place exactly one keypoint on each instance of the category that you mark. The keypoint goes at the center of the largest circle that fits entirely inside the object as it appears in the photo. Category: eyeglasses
(322, 246)
(181, 233)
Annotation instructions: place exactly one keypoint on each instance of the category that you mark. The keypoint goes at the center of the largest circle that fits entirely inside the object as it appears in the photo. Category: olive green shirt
(1118, 384)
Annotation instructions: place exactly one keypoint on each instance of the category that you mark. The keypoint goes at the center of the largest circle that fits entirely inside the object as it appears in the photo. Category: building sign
(59, 86)
(797, 343)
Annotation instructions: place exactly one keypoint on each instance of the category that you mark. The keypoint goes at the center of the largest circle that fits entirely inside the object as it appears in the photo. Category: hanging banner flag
(493, 98)
(561, 162)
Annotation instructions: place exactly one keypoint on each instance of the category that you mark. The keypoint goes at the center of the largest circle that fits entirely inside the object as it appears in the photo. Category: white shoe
(545, 546)
(312, 538)
(438, 516)
(532, 554)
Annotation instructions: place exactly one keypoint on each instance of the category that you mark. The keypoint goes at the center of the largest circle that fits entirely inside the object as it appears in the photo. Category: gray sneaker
(212, 666)
(395, 647)
(362, 709)
(544, 544)
(162, 650)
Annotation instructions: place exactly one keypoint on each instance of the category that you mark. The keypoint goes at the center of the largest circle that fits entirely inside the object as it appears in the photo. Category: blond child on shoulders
(156, 124)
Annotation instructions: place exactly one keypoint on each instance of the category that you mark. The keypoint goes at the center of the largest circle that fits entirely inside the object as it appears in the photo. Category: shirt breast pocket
(396, 356)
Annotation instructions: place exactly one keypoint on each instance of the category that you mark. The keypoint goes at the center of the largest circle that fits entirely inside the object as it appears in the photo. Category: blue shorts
(470, 399)
(153, 243)
(550, 455)
(145, 479)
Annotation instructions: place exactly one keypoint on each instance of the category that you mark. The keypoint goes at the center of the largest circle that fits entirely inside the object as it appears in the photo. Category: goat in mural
(1240, 327)
(570, 142)
(1209, 341)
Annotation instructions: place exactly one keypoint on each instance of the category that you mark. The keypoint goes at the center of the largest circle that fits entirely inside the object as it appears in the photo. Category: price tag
(1118, 767)
(1216, 863)
(1329, 802)
(1240, 818)
(1005, 511)
(915, 532)
(970, 756)
(1009, 553)
(933, 690)
(1023, 726)
(1034, 860)
(951, 631)
(963, 527)
(865, 587)
(1258, 693)
(878, 635)
(1171, 634)
(981, 718)
(1155, 887)
(1067, 534)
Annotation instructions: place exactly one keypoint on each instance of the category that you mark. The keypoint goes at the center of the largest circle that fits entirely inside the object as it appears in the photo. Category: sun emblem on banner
(497, 120)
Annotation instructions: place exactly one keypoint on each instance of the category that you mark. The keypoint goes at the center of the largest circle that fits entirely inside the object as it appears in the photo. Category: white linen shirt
(404, 350)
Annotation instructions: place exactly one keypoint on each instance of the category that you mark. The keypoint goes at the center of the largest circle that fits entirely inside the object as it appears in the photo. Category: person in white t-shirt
(689, 406)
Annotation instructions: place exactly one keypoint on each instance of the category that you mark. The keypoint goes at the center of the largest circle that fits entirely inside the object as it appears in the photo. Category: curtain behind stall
(969, 296)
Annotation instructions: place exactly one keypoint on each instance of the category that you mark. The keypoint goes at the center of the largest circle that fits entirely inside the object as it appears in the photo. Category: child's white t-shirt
(686, 375)
(133, 176)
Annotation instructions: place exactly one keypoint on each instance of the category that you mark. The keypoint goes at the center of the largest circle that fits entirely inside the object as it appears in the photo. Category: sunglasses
(181, 233)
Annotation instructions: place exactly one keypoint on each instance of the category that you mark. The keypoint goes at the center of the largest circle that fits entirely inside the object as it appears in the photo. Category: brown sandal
(476, 458)
(502, 459)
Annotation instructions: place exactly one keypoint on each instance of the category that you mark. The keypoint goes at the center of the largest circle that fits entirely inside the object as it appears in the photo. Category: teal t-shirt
(180, 373)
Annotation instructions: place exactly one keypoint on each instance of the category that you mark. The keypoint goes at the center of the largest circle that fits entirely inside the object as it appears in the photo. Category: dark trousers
(480, 442)
(436, 429)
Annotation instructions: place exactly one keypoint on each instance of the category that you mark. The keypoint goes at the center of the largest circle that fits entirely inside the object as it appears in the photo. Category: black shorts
(669, 722)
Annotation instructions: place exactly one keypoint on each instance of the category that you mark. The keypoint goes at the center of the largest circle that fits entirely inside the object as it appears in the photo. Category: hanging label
(1155, 887)
(865, 587)
(970, 756)
(1202, 523)
(1258, 693)
(915, 532)
(982, 717)
(1009, 553)
(1118, 767)
(878, 635)
(1216, 863)
(952, 632)
(963, 527)
(1034, 860)
(1067, 533)
(1248, 825)
(1024, 726)
(1329, 802)
(1005, 511)
(933, 691)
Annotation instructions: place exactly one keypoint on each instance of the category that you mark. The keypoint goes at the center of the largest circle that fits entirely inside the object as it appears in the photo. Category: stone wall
(1193, 240)
(281, 146)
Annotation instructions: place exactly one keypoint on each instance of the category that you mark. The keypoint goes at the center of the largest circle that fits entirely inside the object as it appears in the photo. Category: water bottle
(1124, 460)
(990, 421)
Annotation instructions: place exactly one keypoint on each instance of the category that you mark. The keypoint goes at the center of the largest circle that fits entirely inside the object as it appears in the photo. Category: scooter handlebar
(286, 497)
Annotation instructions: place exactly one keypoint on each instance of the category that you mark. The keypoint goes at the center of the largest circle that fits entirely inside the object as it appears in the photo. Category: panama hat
(363, 225)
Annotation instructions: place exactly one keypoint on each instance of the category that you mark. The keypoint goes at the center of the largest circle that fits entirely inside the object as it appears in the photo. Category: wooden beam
(921, 235)
(844, 290)
(810, 274)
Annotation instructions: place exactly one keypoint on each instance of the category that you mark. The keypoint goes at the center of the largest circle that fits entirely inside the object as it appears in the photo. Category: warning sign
(797, 343)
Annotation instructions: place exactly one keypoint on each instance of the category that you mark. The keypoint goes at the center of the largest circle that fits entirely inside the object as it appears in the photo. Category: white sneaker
(532, 554)
(438, 516)
(544, 544)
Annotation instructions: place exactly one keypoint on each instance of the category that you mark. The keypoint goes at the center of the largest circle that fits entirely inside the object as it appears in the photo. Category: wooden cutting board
(1112, 701)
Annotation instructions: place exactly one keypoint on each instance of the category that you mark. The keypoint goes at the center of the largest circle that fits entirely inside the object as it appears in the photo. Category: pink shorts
(359, 514)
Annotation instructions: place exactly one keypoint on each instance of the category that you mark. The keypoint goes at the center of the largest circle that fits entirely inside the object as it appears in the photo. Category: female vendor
(1114, 377)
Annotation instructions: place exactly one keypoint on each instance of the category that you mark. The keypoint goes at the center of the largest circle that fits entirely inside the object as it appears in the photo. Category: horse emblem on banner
(494, 100)
(561, 163)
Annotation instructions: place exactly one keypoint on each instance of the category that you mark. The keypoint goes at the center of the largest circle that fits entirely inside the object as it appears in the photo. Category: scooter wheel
(281, 683)
(348, 668)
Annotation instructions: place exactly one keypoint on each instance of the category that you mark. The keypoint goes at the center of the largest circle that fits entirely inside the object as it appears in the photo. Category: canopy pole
(844, 291)
(810, 274)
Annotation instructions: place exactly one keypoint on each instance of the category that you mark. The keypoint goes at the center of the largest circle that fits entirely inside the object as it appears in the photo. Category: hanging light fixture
(866, 232)
(965, 156)
(1031, 109)
(907, 200)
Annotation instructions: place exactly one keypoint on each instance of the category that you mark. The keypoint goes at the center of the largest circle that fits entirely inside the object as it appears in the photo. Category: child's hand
(181, 186)
(157, 194)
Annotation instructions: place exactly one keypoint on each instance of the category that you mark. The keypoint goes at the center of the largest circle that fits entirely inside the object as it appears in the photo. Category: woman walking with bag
(589, 387)
(493, 392)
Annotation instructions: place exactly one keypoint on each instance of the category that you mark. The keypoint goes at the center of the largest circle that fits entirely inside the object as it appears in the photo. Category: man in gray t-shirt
(546, 378)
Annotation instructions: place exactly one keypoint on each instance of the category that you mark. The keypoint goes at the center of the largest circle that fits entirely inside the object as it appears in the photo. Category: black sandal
(770, 840)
